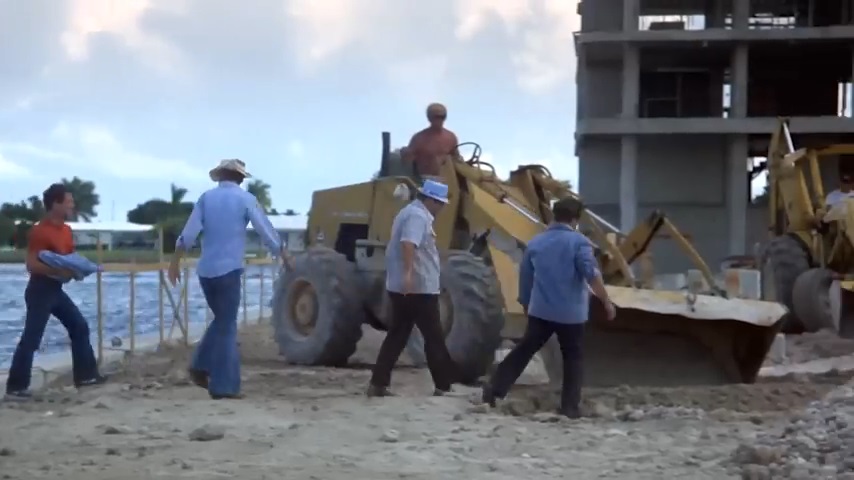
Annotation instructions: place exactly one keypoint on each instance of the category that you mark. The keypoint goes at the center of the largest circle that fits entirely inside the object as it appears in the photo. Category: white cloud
(540, 35)
(10, 170)
(90, 17)
(95, 146)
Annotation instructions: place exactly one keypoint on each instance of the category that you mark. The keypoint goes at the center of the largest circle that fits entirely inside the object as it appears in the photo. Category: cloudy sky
(135, 94)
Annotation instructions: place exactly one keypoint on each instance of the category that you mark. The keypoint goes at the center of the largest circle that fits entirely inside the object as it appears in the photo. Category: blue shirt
(223, 213)
(554, 275)
(414, 224)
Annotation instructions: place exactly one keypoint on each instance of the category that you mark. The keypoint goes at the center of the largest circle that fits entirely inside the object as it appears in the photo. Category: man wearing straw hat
(222, 213)
(412, 281)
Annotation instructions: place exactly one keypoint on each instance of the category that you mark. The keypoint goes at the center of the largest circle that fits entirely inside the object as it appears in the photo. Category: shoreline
(12, 257)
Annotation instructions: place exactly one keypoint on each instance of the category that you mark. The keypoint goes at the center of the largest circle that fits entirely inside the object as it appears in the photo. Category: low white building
(292, 229)
(112, 234)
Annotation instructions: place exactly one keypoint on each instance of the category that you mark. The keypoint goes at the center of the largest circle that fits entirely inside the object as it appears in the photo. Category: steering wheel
(475, 154)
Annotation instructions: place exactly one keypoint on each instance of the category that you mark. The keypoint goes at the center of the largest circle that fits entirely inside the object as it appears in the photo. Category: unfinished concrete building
(677, 98)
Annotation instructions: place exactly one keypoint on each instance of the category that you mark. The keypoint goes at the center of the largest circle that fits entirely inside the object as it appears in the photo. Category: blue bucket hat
(435, 190)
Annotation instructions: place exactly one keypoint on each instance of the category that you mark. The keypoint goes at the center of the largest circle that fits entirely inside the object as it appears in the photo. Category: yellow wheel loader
(658, 338)
(808, 263)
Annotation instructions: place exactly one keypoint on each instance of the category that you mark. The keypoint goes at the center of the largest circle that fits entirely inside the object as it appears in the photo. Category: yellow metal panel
(508, 274)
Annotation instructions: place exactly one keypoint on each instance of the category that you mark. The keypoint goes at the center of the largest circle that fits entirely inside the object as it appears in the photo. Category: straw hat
(234, 165)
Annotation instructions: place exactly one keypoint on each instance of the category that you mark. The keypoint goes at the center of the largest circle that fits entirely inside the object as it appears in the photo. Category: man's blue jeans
(44, 297)
(217, 354)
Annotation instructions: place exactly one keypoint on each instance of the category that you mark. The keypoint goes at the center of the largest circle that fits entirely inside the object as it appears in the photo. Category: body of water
(115, 306)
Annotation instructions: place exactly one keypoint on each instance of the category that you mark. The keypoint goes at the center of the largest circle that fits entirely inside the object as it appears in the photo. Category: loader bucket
(666, 338)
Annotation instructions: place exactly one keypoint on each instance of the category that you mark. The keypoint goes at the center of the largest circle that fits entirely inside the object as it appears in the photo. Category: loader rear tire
(783, 260)
(472, 315)
(318, 310)
(811, 299)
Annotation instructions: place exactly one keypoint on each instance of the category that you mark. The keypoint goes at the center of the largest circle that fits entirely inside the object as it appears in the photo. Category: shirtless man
(428, 150)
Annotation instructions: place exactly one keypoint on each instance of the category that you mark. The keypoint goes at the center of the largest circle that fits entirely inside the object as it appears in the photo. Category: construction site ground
(315, 423)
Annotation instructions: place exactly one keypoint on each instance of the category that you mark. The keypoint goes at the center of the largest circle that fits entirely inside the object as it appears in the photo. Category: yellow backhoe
(658, 337)
(808, 263)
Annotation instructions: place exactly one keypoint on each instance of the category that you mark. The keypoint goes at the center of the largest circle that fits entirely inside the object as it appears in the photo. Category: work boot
(198, 377)
(233, 396)
(487, 395)
(441, 392)
(572, 413)
(377, 391)
(91, 382)
(18, 395)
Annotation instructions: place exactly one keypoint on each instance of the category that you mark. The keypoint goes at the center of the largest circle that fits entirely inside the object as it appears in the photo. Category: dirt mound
(774, 395)
(813, 346)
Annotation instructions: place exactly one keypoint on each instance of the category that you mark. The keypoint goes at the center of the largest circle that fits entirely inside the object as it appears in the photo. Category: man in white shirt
(846, 182)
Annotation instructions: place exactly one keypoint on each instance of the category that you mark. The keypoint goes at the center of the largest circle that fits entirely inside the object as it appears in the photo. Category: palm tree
(261, 190)
(85, 198)
(177, 195)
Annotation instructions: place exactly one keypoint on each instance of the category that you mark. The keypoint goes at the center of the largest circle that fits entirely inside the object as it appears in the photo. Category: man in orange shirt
(44, 297)
(429, 149)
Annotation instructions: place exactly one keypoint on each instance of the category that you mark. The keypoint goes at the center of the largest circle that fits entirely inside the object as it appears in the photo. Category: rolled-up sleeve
(192, 229)
(413, 229)
(262, 225)
(585, 261)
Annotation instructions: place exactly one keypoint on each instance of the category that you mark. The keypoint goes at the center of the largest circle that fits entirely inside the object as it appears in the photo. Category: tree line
(169, 213)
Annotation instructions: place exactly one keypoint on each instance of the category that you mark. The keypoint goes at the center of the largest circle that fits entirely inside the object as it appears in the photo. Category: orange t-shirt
(50, 236)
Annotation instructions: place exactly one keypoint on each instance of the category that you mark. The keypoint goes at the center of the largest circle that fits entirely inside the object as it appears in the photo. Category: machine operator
(429, 149)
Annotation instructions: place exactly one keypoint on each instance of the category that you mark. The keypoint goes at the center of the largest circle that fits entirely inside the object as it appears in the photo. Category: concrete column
(741, 14)
(714, 14)
(737, 194)
(631, 82)
(738, 87)
(628, 183)
(631, 15)
(582, 82)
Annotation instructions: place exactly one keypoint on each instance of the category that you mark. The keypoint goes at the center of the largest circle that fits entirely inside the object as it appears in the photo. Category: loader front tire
(471, 314)
(811, 300)
(318, 310)
(783, 261)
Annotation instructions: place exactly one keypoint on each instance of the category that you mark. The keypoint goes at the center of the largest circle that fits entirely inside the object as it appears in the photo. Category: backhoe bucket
(667, 338)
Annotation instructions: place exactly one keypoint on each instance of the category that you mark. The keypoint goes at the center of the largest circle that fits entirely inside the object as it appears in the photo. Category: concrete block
(743, 283)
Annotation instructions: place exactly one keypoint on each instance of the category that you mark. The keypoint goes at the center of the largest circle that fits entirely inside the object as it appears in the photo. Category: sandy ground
(313, 423)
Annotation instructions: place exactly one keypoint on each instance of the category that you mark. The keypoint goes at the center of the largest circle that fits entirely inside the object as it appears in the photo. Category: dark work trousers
(537, 333)
(44, 297)
(421, 311)
(218, 354)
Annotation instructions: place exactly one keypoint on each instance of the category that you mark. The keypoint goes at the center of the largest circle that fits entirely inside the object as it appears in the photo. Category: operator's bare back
(430, 149)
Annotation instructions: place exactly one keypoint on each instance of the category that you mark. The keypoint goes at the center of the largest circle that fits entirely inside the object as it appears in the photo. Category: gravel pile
(817, 443)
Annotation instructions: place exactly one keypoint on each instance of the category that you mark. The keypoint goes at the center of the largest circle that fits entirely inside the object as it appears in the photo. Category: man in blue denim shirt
(556, 270)
(223, 213)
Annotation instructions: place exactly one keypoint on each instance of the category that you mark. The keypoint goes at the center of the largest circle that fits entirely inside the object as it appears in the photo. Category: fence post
(243, 291)
(99, 294)
(161, 284)
(132, 308)
(186, 305)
